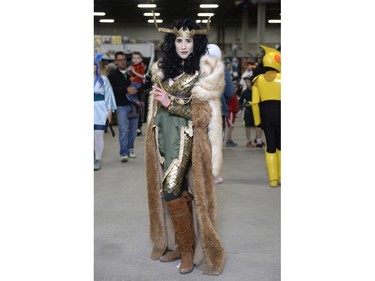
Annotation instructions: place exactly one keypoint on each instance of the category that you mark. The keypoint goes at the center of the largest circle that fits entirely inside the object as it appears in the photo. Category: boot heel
(171, 256)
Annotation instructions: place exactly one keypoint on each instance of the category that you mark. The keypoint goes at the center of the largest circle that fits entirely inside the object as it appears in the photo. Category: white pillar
(261, 24)
(245, 30)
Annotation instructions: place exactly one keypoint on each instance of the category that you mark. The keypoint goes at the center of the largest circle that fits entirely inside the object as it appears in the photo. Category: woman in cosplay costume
(104, 105)
(184, 150)
(266, 106)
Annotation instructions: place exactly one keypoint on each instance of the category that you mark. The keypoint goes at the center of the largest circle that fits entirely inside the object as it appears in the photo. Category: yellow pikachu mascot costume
(266, 105)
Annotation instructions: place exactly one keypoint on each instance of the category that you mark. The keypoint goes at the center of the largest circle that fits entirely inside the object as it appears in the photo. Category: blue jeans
(127, 129)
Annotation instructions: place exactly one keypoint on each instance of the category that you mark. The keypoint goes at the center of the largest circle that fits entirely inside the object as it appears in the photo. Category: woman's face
(184, 47)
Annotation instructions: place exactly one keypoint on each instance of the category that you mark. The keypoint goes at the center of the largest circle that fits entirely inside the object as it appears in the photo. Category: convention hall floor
(248, 219)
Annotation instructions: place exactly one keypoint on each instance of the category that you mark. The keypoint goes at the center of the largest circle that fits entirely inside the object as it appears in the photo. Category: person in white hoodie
(213, 50)
(104, 105)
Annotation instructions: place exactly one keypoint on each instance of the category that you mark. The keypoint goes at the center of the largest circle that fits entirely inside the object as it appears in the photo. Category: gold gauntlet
(180, 110)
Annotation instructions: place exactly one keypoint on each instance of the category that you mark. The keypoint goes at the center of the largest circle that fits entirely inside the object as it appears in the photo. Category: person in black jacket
(120, 81)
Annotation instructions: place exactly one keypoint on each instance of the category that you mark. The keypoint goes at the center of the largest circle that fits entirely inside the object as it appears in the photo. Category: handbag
(111, 128)
(134, 113)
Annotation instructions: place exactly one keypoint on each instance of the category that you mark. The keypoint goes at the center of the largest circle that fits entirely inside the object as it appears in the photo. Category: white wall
(272, 38)
(142, 33)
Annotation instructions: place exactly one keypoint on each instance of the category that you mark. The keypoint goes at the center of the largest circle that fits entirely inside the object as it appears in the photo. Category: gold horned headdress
(184, 33)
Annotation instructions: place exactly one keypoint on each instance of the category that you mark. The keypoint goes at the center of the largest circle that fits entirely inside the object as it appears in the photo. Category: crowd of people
(193, 105)
(117, 89)
(240, 104)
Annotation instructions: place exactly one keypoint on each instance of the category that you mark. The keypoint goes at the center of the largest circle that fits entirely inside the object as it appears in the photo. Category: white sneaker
(97, 165)
(132, 154)
(219, 180)
(124, 158)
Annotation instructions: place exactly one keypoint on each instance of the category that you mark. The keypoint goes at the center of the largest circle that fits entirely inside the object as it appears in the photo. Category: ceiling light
(198, 21)
(150, 14)
(99, 14)
(205, 14)
(107, 20)
(157, 21)
(208, 6)
(205, 21)
(146, 5)
(274, 21)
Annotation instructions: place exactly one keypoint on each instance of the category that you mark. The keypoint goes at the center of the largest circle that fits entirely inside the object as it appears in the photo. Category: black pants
(273, 138)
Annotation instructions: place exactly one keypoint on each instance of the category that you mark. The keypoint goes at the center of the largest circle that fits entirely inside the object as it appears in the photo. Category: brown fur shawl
(206, 164)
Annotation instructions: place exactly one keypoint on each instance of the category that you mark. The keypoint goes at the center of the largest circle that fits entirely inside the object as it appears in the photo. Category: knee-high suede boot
(171, 256)
(182, 222)
(176, 254)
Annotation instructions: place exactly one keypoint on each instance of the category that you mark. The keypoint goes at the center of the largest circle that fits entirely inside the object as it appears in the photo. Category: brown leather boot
(179, 211)
(171, 256)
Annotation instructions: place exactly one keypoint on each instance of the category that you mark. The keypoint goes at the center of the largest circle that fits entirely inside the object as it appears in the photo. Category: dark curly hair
(171, 63)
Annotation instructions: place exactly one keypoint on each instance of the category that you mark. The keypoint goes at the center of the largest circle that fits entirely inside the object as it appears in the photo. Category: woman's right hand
(161, 95)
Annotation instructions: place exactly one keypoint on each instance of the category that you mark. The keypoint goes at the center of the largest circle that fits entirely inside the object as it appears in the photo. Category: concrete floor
(248, 219)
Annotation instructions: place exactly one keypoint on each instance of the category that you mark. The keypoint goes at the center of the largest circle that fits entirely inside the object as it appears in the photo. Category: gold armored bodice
(180, 90)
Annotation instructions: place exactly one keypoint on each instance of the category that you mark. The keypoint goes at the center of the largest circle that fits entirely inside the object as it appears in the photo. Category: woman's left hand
(109, 116)
(161, 95)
